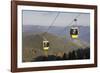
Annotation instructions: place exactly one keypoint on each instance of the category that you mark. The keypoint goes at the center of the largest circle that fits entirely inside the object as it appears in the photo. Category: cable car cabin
(45, 45)
(74, 31)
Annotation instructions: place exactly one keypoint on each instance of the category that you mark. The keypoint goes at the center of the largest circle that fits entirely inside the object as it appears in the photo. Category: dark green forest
(73, 55)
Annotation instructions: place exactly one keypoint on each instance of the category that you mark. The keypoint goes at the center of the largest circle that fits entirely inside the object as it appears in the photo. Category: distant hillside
(84, 31)
(33, 46)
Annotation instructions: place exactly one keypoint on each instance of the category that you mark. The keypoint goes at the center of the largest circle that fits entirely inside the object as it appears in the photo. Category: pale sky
(45, 18)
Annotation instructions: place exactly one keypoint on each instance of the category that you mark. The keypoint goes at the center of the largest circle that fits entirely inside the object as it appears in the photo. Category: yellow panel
(46, 48)
(74, 36)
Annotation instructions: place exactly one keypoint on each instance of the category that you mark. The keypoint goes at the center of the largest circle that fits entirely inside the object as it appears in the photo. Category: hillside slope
(33, 46)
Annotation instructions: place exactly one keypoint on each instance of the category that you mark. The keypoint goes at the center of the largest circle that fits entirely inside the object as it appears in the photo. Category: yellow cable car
(74, 32)
(45, 45)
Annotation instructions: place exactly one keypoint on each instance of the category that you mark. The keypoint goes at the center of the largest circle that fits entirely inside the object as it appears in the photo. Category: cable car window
(46, 44)
(74, 31)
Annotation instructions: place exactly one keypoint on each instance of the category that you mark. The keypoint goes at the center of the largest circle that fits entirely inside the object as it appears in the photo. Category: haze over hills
(59, 42)
(84, 31)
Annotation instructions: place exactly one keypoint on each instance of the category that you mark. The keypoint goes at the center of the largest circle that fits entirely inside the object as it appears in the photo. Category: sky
(45, 18)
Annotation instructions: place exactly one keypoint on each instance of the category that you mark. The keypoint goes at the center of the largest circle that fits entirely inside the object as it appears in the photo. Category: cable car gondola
(46, 45)
(74, 31)
(45, 42)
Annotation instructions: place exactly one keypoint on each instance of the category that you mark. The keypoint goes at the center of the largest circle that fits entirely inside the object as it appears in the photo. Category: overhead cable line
(51, 23)
(71, 21)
